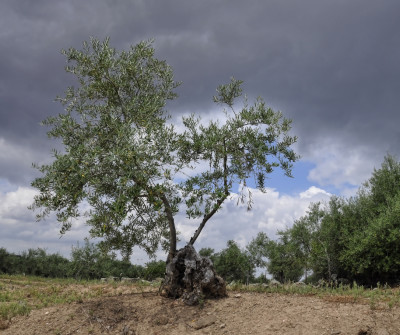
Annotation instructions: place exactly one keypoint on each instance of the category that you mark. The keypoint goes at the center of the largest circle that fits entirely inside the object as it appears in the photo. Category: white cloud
(20, 231)
(343, 166)
(271, 212)
(13, 205)
(313, 192)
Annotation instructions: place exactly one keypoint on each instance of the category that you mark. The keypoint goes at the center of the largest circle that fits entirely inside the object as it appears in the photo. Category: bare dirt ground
(240, 313)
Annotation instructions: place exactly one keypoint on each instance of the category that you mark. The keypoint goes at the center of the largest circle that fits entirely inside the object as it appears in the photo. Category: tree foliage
(86, 262)
(234, 264)
(257, 249)
(355, 238)
(124, 160)
(153, 270)
(284, 263)
(117, 146)
(374, 253)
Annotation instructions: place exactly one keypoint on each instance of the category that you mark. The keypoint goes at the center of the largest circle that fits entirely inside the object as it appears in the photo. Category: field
(36, 306)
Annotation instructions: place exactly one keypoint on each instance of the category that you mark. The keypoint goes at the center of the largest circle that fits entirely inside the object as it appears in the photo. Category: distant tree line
(86, 262)
(232, 263)
(343, 240)
(357, 239)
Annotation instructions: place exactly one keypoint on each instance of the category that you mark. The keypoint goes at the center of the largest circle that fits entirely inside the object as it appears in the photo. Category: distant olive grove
(343, 241)
(357, 239)
(86, 262)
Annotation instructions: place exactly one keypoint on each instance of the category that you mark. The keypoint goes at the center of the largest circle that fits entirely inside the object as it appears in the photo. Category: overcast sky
(331, 66)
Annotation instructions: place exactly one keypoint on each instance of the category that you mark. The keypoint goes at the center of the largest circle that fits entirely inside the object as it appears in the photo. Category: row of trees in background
(89, 262)
(356, 238)
(232, 263)
(86, 262)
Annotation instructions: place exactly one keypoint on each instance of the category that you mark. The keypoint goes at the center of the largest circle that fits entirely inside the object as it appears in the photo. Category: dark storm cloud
(332, 66)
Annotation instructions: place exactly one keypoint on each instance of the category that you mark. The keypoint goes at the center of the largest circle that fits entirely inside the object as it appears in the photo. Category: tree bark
(192, 278)
(172, 230)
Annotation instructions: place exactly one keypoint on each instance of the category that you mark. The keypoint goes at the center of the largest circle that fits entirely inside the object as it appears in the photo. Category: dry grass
(20, 294)
(380, 297)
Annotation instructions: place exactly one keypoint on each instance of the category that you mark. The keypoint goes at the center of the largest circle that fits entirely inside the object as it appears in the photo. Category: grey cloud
(332, 66)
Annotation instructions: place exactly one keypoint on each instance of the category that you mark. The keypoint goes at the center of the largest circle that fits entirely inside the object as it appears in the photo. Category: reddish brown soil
(240, 313)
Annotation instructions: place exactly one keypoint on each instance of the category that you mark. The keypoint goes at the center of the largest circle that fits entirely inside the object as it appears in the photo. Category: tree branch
(219, 201)
(205, 219)
(172, 229)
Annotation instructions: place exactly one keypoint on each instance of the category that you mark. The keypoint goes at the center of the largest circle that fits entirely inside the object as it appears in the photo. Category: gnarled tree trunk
(192, 277)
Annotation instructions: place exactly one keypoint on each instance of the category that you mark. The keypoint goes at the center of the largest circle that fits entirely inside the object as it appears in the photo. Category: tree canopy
(356, 239)
(124, 159)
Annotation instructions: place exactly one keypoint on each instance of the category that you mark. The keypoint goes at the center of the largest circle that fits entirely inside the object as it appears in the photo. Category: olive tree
(125, 161)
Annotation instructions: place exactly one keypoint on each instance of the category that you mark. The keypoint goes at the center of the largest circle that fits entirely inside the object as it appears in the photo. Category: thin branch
(219, 201)
(172, 229)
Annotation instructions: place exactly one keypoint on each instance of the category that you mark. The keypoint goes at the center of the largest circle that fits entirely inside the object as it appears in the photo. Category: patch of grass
(9, 310)
(20, 294)
(5, 296)
(377, 298)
